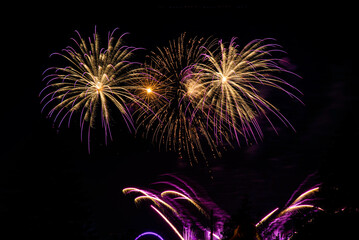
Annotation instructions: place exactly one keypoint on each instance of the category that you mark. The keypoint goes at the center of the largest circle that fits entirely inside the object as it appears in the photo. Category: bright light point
(224, 79)
(149, 90)
(99, 87)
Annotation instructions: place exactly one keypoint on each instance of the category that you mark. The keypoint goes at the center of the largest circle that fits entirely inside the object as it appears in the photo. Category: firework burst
(95, 78)
(202, 94)
(229, 81)
(169, 87)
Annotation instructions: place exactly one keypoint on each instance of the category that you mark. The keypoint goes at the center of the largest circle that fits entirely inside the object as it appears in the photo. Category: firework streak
(272, 226)
(149, 233)
(187, 214)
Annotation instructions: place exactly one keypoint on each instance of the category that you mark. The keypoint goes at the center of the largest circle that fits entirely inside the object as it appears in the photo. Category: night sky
(52, 188)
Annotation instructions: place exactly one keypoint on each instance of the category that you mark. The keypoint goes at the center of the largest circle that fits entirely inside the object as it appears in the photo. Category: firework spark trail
(266, 217)
(300, 187)
(192, 212)
(273, 224)
(168, 222)
(149, 195)
(169, 88)
(187, 212)
(184, 197)
(229, 79)
(95, 79)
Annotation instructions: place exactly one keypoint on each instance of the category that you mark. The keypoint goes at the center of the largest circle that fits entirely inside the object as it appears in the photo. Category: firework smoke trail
(229, 79)
(182, 209)
(272, 226)
(95, 78)
(166, 83)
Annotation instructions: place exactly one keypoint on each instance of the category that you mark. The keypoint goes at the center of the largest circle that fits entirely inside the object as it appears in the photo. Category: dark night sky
(50, 187)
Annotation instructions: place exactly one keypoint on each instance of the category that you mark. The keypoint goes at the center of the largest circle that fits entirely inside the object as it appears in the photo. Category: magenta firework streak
(149, 234)
(188, 214)
(185, 212)
(273, 225)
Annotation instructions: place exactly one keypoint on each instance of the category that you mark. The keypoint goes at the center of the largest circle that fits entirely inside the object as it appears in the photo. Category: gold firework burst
(173, 122)
(229, 80)
(95, 78)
